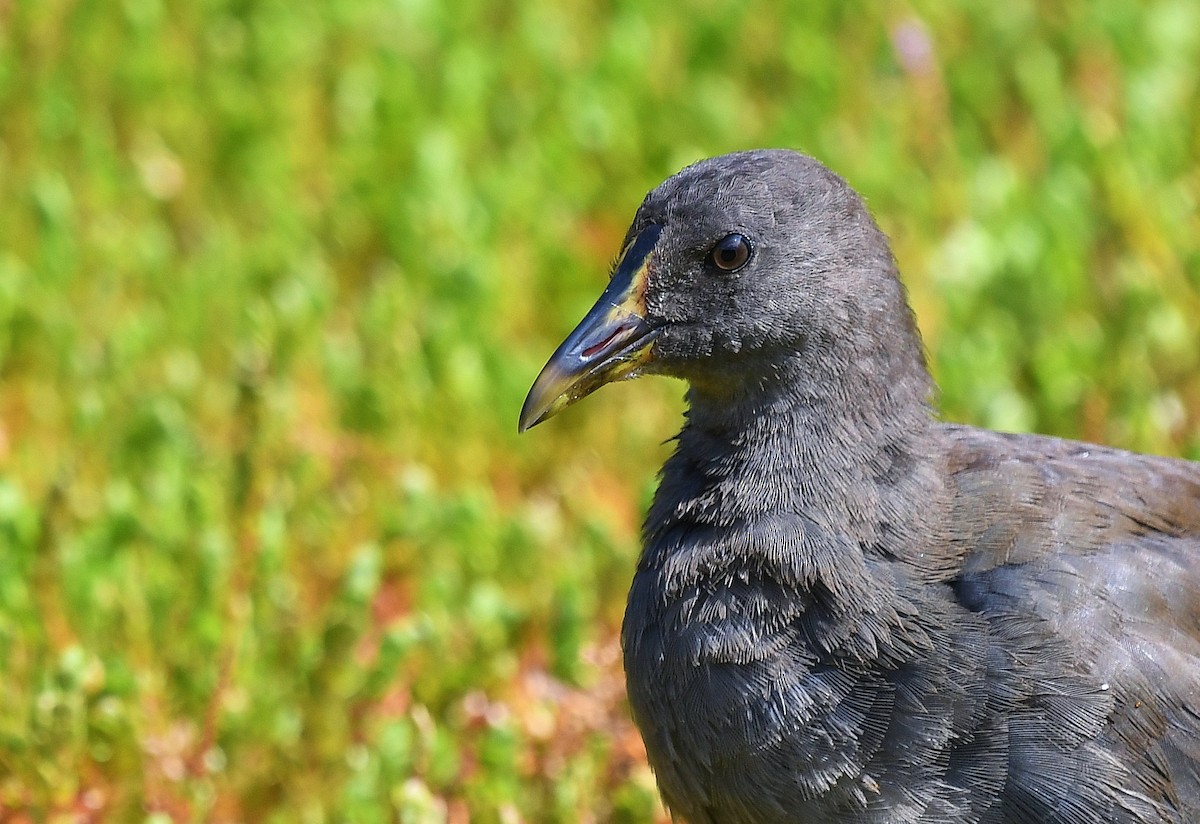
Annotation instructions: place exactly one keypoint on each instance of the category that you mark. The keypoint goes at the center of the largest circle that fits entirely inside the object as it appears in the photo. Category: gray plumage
(847, 611)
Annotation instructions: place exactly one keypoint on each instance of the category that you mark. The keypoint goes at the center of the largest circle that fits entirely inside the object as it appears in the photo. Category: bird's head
(733, 272)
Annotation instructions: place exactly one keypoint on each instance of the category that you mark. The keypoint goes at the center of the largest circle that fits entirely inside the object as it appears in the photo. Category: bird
(846, 609)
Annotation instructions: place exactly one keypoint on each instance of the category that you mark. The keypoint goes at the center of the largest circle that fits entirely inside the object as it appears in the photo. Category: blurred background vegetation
(275, 276)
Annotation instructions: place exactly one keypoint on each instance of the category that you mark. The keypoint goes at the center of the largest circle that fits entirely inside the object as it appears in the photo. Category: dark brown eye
(731, 252)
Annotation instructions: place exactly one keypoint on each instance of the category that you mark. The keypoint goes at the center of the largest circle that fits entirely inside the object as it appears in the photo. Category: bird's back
(1096, 552)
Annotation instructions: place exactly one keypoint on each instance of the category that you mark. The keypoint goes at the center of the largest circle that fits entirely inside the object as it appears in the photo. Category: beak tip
(531, 415)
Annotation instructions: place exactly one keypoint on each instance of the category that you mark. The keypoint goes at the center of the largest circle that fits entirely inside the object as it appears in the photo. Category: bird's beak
(611, 341)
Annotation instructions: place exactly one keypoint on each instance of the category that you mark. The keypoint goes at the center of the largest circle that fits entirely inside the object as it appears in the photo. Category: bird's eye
(731, 252)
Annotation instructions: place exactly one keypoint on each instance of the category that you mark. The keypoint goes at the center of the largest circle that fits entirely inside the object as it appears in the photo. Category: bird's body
(1039, 664)
(847, 611)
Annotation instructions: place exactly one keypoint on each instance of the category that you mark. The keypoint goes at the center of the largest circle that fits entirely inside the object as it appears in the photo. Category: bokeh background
(275, 276)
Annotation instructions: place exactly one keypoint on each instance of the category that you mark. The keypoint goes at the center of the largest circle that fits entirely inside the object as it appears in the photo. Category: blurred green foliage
(275, 276)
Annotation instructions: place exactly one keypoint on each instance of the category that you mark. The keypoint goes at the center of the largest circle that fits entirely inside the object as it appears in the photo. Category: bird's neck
(848, 459)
